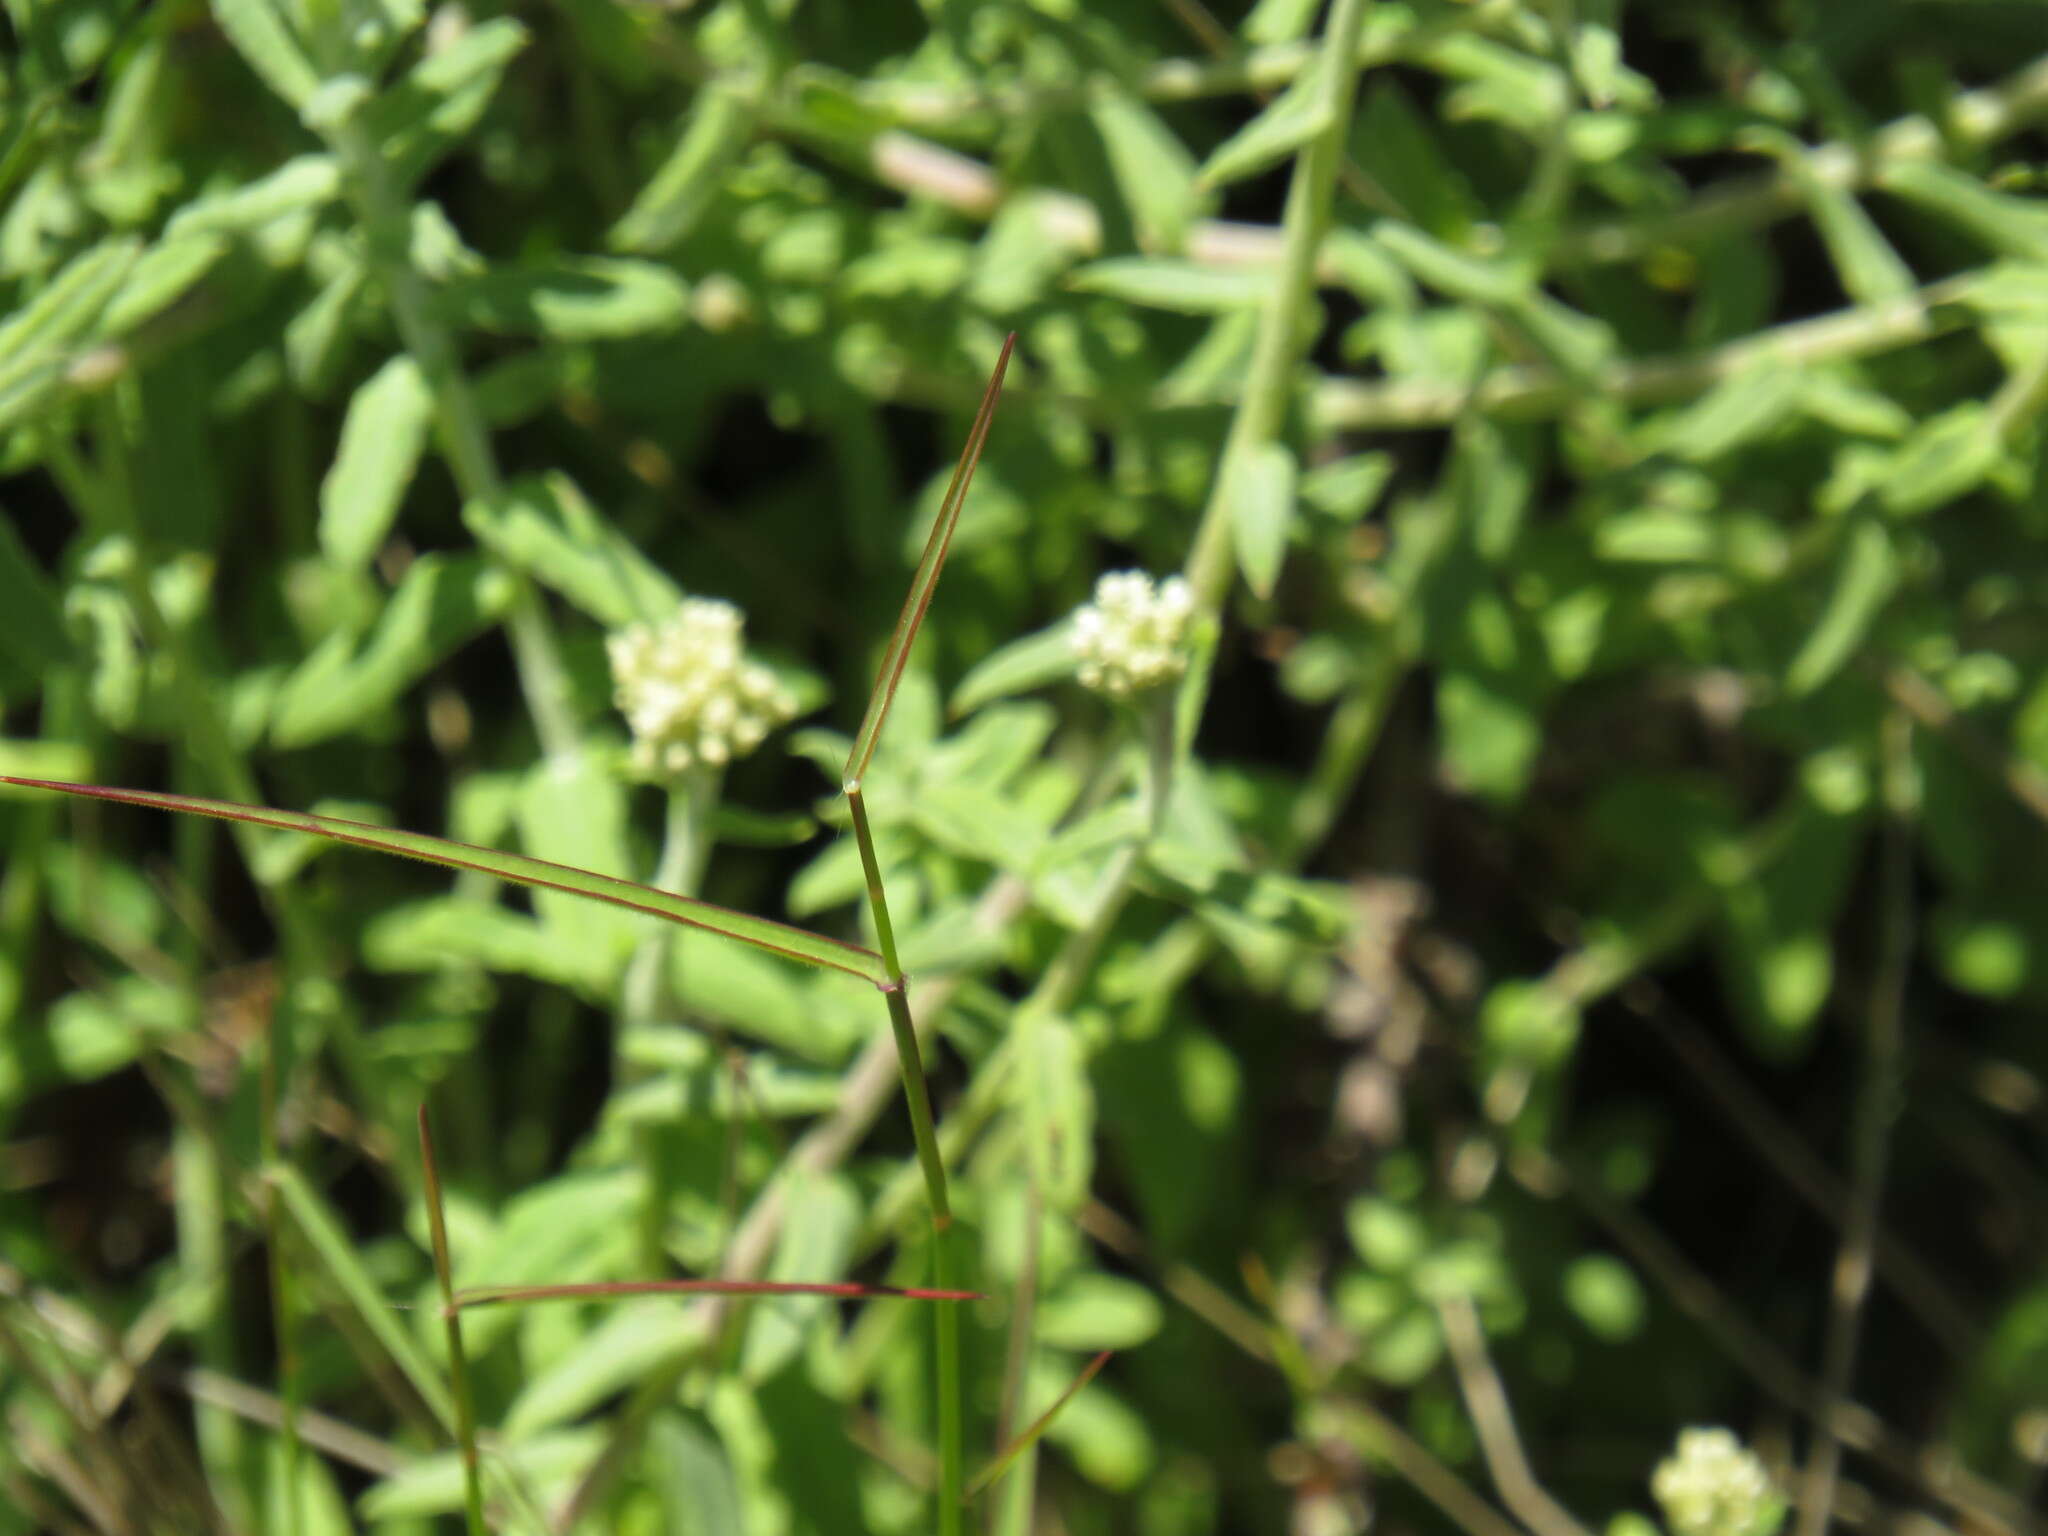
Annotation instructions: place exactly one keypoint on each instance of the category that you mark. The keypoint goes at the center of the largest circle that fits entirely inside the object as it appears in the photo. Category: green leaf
(2003, 224)
(761, 933)
(925, 579)
(1777, 948)
(1606, 1296)
(442, 602)
(759, 998)
(1097, 1311)
(1490, 736)
(548, 529)
(419, 119)
(1735, 412)
(1864, 578)
(263, 37)
(575, 813)
(1870, 270)
(631, 1344)
(817, 1244)
(720, 127)
(1153, 172)
(543, 1467)
(1398, 148)
(1452, 272)
(382, 438)
(1297, 115)
(1946, 458)
(1042, 657)
(692, 1473)
(336, 1257)
(427, 936)
(573, 298)
(1261, 508)
(37, 342)
(166, 272)
(298, 186)
(1182, 287)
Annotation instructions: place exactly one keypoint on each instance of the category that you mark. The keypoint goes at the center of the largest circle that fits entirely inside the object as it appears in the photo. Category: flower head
(1711, 1485)
(688, 691)
(1133, 636)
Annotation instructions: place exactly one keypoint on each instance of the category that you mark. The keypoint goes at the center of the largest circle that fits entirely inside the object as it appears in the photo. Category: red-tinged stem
(488, 1295)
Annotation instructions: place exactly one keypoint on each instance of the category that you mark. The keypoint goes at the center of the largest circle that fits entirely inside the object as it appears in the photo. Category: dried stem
(1492, 1416)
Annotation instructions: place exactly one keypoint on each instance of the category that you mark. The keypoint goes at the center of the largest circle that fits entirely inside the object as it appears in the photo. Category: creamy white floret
(1134, 635)
(688, 692)
(1712, 1485)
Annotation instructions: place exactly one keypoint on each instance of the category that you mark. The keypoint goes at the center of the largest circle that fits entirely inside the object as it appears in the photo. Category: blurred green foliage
(1616, 818)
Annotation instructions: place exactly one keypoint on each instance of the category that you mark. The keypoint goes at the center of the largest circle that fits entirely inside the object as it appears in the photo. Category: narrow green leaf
(544, 1466)
(925, 579)
(1735, 412)
(1301, 112)
(1017, 1447)
(336, 1253)
(1870, 270)
(1451, 272)
(2001, 223)
(300, 184)
(1182, 287)
(261, 36)
(761, 933)
(1864, 578)
(548, 529)
(382, 438)
(429, 111)
(1261, 507)
(690, 1471)
(38, 340)
(442, 602)
(166, 272)
(1154, 173)
(721, 125)
(584, 298)
(1018, 667)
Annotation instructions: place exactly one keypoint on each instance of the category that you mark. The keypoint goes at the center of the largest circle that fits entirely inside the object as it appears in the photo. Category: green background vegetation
(1605, 887)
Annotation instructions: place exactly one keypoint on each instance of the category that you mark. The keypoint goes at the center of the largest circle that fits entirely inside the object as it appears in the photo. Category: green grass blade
(926, 578)
(335, 1252)
(451, 1317)
(760, 932)
(1039, 1426)
(490, 1295)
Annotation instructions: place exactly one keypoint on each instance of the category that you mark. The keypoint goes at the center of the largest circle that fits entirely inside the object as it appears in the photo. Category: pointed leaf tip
(924, 581)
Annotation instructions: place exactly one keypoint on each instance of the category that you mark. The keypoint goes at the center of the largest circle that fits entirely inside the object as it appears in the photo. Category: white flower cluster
(688, 691)
(1713, 1486)
(1134, 635)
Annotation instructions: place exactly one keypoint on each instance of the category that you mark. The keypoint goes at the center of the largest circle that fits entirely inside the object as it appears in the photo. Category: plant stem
(1277, 351)
(679, 869)
(465, 440)
(917, 1094)
(451, 1316)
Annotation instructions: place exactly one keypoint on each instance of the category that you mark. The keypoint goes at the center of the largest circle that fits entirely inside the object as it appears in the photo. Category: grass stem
(451, 1317)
